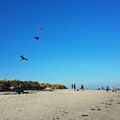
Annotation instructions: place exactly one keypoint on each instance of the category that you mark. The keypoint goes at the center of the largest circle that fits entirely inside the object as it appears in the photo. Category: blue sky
(80, 42)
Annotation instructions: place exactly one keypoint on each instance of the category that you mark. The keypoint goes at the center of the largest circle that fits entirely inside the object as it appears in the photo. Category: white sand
(61, 104)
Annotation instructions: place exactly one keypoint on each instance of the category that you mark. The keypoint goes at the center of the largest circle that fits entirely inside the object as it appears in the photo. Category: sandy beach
(61, 104)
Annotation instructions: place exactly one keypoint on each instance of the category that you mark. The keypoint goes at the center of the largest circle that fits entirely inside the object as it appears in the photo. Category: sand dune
(61, 104)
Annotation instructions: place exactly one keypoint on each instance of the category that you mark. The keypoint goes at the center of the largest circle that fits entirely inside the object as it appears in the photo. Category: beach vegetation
(8, 85)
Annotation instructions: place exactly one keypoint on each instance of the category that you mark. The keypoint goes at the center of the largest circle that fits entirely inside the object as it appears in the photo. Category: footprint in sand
(62, 113)
(108, 104)
(97, 107)
(84, 115)
(65, 112)
(118, 103)
(57, 117)
(111, 100)
(106, 107)
(92, 109)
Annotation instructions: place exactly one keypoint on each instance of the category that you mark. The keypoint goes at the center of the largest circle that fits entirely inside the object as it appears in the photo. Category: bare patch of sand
(61, 104)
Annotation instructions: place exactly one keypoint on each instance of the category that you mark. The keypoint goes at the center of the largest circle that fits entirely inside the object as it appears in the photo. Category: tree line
(8, 85)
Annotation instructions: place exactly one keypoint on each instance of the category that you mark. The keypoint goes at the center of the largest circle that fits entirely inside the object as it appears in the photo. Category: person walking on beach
(112, 89)
(107, 88)
(74, 87)
(102, 88)
(82, 87)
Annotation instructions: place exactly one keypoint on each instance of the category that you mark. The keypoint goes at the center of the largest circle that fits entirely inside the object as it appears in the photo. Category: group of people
(73, 86)
(113, 89)
(19, 90)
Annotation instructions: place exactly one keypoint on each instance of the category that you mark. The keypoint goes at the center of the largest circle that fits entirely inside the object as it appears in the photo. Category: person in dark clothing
(102, 88)
(74, 87)
(82, 87)
(19, 90)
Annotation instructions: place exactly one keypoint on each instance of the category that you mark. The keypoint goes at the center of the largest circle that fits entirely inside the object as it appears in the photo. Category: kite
(37, 38)
(22, 58)
(41, 28)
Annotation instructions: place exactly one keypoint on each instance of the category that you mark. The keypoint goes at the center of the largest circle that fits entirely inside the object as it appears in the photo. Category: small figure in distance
(112, 89)
(19, 89)
(22, 58)
(102, 88)
(72, 86)
(107, 88)
(82, 87)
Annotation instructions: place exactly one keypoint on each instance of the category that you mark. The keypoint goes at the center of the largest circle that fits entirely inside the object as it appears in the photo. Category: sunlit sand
(61, 104)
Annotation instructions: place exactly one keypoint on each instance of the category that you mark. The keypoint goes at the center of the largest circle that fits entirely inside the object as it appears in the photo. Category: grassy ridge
(7, 85)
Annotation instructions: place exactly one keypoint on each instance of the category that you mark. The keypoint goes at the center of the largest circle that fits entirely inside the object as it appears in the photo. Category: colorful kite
(37, 38)
(41, 28)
